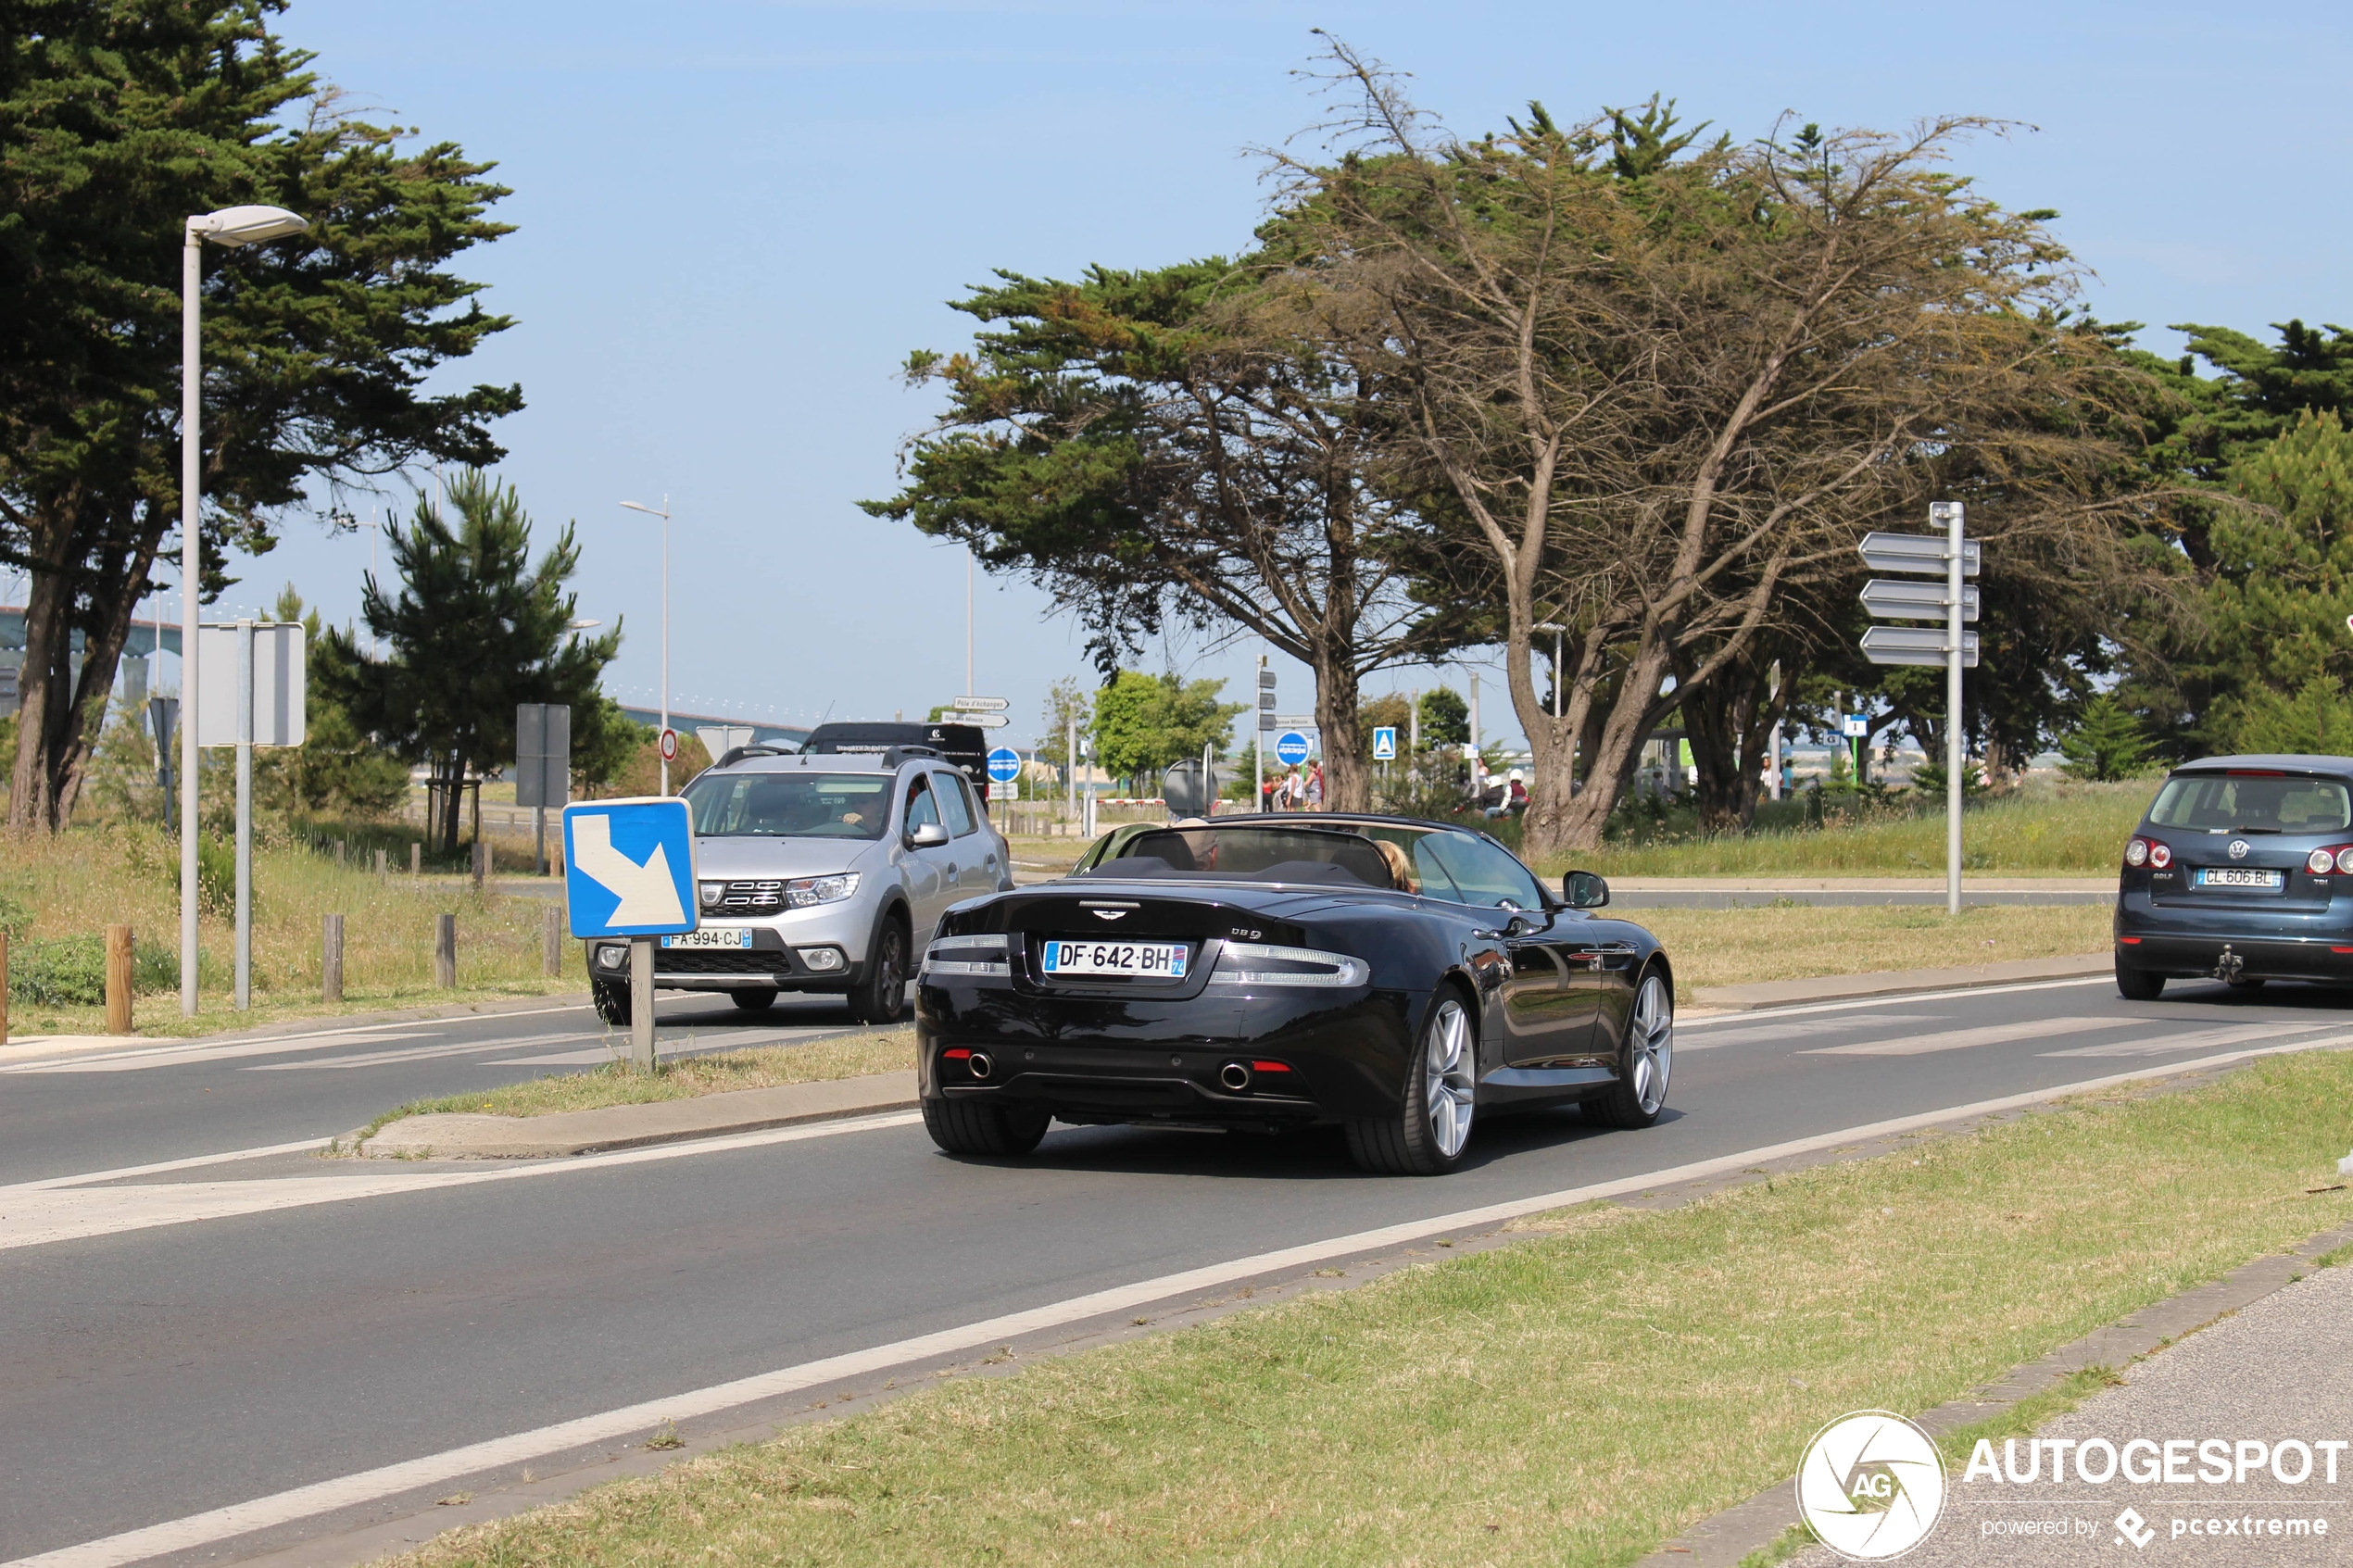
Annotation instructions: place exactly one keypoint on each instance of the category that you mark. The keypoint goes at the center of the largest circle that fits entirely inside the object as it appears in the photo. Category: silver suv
(819, 872)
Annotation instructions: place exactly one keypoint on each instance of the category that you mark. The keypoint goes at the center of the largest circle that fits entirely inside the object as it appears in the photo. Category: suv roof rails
(737, 754)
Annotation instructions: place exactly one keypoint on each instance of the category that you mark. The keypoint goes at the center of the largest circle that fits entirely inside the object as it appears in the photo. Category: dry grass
(688, 1077)
(1790, 942)
(1571, 1399)
(83, 881)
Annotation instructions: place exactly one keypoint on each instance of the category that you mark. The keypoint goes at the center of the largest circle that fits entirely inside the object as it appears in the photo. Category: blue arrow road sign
(1291, 748)
(1384, 742)
(1004, 764)
(629, 868)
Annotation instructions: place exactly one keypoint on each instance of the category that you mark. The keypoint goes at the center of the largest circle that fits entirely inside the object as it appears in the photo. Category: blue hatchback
(2242, 872)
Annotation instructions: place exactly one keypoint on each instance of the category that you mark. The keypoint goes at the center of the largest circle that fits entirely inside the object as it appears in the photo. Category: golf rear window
(2264, 802)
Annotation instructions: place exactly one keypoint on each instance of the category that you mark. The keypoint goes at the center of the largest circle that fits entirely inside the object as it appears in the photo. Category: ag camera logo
(1871, 1486)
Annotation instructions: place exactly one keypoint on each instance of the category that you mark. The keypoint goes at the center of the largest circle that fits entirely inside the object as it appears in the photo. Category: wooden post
(330, 961)
(117, 979)
(482, 862)
(551, 942)
(340, 845)
(444, 952)
(3, 987)
(416, 856)
(379, 864)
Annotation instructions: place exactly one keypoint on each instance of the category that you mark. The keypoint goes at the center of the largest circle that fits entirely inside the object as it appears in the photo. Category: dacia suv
(818, 873)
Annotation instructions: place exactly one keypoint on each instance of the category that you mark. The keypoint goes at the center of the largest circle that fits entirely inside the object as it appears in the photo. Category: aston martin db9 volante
(1396, 977)
(2243, 871)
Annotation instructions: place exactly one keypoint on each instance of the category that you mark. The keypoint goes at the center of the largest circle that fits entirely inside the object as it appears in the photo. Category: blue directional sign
(1384, 742)
(1004, 764)
(1291, 748)
(629, 868)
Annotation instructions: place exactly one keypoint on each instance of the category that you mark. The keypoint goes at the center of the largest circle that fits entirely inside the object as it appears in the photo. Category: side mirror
(1584, 890)
(926, 835)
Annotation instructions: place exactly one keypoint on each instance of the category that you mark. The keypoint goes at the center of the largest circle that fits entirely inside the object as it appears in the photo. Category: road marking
(39, 1213)
(1984, 1034)
(198, 1051)
(366, 1486)
(51, 1184)
(2196, 1040)
(419, 1053)
(1763, 1033)
(1893, 998)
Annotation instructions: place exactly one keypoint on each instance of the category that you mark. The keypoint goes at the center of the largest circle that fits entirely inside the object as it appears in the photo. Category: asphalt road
(154, 1372)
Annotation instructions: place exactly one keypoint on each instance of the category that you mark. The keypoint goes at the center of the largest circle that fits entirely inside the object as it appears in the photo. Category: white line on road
(421, 1053)
(186, 1052)
(51, 1184)
(1961, 1039)
(2196, 1040)
(1762, 1033)
(1886, 1000)
(42, 1213)
(374, 1486)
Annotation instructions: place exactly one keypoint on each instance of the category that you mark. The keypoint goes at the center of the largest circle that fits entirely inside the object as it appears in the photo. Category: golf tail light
(2319, 862)
(2136, 852)
(2344, 858)
(2161, 856)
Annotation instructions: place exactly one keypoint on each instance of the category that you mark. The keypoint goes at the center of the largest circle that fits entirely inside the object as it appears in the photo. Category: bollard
(379, 864)
(444, 952)
(481, 862)
(551, 942)
(330, 961)
(339, 849)
(3, 987)
(117, 979)
(416, 858)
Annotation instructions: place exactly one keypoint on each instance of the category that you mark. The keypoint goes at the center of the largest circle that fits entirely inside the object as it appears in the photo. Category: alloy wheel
(1449, 1080)
(1651, 1046)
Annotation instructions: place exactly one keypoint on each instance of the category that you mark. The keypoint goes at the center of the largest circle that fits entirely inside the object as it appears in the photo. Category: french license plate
(712, 936)
(1140, 960)
(2239, 876)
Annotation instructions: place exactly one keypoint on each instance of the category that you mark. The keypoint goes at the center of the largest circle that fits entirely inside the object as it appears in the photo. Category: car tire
(881, 995)
(1647, 1059)
(2137, 985)
(1432, 1127)
(756, 999)
(964, 1127)
(613, 1001)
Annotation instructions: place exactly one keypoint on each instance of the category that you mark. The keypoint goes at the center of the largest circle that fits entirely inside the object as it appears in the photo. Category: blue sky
(735, 218)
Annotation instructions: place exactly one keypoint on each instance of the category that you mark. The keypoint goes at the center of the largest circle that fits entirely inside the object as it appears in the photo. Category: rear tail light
(2136, 852)
(1253, 963)
(2161, 856)
(2344, 858)
(2319, 862)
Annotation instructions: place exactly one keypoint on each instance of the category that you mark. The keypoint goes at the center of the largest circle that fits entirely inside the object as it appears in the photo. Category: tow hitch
(2228, 966)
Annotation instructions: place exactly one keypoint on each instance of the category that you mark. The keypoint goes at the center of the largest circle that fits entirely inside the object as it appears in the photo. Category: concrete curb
(1724, 1540)
(1895, 982)
(460, 1136)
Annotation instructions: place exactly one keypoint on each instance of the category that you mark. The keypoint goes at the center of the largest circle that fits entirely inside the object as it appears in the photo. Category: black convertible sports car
(1391, 975)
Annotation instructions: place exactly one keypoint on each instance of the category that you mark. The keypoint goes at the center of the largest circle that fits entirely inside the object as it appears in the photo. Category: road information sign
(1384, 742)
(981, 720)
(629, 871)
(1858, 727)
(981, 704)
(1291, 748)
(1004, 765)
(629, 868)
(1946, 559)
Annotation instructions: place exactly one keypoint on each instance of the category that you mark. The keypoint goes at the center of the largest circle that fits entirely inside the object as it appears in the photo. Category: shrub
(67, 972)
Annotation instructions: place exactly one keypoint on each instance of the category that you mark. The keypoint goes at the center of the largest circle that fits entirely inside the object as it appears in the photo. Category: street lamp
(662, 512)
(233, 227)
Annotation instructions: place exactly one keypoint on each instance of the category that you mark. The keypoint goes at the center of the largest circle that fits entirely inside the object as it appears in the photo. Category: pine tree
(2109, 743)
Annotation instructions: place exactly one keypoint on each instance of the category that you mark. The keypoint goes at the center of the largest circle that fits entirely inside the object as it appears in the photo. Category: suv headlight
(1253, 963)
(803, 892)
(981, 956)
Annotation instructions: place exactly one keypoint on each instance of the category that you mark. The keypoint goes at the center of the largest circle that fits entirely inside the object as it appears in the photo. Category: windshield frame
(880, 787)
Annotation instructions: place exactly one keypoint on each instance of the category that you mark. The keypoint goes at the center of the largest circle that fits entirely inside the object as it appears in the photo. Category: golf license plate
(2240, 876)
(1138, 960)
(712, 936)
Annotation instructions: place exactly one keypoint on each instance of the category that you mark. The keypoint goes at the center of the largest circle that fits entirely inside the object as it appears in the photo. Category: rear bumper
(2260, 957)
(1165, 1061)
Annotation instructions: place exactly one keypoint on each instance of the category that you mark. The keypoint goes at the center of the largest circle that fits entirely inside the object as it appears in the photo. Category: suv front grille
(707, 961)
(752, 896)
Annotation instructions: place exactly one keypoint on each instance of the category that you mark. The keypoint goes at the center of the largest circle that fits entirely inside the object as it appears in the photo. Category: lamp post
(662, 512)
(233, 227)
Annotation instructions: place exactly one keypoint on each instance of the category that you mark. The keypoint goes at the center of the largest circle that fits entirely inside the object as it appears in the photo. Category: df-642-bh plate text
(1142, 960)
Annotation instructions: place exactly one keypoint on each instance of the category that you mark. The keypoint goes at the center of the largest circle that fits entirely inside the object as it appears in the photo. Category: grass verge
(1573, 1398)
(762, 1067)
(1793, 942)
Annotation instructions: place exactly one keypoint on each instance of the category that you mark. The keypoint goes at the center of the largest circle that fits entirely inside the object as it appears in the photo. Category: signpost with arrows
(1951, 558)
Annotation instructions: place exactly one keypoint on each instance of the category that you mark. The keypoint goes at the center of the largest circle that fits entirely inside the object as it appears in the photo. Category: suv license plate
(1140, 960)
(2239, 876)
(712, 936)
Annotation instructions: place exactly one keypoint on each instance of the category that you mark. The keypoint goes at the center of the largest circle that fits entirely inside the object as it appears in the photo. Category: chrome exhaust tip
(980, 1064)
(1235, 1076)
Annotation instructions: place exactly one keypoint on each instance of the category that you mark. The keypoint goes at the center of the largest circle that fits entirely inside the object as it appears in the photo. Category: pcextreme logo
(1871, 1486)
